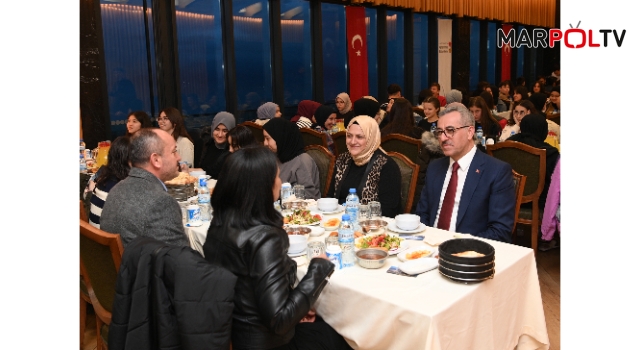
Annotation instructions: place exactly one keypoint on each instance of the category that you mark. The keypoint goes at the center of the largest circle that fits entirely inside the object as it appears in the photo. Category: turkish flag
(506, 56)
(357, 51)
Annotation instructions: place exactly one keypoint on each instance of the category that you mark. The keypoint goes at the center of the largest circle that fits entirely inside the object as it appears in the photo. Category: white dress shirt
(464, 163)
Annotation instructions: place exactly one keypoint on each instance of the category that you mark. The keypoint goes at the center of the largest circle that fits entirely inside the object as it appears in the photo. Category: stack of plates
(181, 193)
(466, 269)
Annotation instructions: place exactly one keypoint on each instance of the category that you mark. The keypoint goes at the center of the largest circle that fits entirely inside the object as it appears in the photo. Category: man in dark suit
(481, 198)
(139, 206)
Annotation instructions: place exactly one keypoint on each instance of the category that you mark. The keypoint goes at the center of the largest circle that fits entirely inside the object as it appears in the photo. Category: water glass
(299, 192)
(364, 212)
(331, 240)
(375, 209)
(315, 249)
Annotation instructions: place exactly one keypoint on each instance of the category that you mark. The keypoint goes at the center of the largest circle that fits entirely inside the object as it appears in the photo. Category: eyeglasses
(163, 118)
(449, 131)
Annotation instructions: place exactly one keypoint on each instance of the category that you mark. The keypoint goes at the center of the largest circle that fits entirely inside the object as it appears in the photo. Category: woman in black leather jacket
(246, 237)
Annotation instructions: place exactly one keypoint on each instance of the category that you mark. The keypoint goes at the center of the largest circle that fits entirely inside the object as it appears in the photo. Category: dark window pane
(491, 53)
(253, 56)
(420, 55)
(199, 31)
(127, 61)
(474, 55)
(372, 49)
(334, 50)
(296, 54)
(395, 48)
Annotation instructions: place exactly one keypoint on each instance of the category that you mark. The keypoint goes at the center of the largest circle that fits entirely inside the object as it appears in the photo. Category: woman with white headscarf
(367, 168)
(345, 108)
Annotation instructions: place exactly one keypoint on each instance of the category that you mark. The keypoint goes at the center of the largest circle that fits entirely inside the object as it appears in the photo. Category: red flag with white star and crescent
(357, 52)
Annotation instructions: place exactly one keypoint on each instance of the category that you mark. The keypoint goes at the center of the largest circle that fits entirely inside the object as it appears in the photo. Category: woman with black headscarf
(324, 120)
(297, 168)
(533, 131)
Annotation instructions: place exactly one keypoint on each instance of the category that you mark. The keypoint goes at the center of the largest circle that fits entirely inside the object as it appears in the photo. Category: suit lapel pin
(477, 171)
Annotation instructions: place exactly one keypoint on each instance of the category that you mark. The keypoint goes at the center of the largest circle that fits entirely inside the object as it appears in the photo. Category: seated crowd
(460, 187)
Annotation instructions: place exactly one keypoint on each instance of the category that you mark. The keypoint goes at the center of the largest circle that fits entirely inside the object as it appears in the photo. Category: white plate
(392, 227)
(414, 267)
(404, 245)
(194, 224)
(316, 231)
(339, 209)
(403, 256)
(314, 224)
(331, 228)
(295, 255)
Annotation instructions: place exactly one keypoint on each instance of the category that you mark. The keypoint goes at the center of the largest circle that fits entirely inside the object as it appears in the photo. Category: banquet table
(374, 309)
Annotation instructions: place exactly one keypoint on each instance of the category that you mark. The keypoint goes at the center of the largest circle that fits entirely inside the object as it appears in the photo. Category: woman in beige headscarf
(344, 107)
(367, 168)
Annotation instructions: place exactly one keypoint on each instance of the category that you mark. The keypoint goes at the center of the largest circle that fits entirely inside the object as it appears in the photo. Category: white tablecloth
(374, 309)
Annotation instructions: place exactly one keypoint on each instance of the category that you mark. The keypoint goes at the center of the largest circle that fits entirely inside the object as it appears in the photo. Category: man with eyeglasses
(467, 191)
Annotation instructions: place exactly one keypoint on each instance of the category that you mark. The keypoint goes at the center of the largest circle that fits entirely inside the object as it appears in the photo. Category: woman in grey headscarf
(216, 150)
(266, 112)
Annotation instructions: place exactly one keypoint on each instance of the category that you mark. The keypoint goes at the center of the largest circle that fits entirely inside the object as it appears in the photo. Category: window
(199, 32)
(296, 54)
(253, 56)
(128, 62)
(395, 48)
(491, 53)
(420, 55)
(334, 50)
(474, 55)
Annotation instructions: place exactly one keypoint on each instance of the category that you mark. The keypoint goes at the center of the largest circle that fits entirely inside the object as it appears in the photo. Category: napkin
(434, 237)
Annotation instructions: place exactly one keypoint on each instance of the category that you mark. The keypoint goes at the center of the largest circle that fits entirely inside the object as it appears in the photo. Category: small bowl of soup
(370, 258)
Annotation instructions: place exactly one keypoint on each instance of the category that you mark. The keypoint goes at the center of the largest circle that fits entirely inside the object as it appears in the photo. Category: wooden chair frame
(114, 242)
(340, 142)
(332, 165)
(409, 140)
(414, 178)
(254, 127)
(521, 180)
(529, 197)
(307, 133)
(83, 213)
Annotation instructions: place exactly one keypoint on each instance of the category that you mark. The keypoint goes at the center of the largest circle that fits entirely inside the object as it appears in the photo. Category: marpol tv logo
(574, 38)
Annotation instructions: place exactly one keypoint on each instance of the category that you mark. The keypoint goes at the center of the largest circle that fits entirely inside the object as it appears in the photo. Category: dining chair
(83, 212)
(409, 174)
(555, 118)
(340, 142)
(402, 144)
(256, 129)
(326, 161)
(518, 184)
(84, 293)
(313, 137)
(530, 162)
(100, 257)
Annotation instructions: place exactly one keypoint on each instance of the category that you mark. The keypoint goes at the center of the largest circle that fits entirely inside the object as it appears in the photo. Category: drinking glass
(298, 191)
(364, 212)
(376, 210)
(315, 249)
(331, 240)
